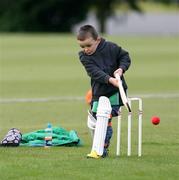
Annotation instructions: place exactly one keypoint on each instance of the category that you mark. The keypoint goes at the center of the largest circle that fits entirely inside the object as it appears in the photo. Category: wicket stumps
(129, 129)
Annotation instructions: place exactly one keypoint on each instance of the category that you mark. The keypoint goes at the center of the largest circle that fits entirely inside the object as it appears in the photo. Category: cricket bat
(122, 93)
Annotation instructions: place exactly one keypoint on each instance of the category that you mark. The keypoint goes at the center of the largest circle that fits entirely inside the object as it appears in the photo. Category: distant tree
(58, 15)
(42, 15)
(105, 8)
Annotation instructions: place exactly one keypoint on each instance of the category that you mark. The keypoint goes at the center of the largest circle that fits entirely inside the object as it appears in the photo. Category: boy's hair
(87, 31)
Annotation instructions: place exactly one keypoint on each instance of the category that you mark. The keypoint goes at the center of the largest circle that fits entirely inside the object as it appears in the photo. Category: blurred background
(109, 16)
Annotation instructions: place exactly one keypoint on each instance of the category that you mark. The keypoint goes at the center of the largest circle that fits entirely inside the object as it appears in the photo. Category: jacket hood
(101, 45)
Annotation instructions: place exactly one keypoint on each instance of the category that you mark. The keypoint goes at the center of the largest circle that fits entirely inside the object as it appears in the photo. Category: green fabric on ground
(60, 137)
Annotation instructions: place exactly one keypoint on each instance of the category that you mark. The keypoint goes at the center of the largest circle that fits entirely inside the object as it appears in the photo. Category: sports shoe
(93, 155)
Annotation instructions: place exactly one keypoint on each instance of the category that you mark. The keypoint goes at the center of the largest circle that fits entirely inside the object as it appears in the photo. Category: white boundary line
(80, 98)
(47, 99)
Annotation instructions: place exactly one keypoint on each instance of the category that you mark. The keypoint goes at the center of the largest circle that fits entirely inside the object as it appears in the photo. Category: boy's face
(89, 45)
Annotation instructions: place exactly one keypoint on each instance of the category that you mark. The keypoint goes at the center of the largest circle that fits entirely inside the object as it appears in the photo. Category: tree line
(57, 15)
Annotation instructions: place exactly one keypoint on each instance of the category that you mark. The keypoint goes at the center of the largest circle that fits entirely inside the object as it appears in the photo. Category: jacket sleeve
(124, 60)
(94, 71)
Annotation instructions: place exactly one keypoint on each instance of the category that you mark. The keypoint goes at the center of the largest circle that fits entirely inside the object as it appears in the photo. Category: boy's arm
(95, 72)
(123, 60)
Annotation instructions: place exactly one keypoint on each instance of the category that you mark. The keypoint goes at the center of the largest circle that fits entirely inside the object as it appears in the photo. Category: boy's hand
(118, 71)
(113, 81)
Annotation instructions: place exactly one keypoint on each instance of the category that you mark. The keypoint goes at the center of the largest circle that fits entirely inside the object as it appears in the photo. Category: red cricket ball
(155, 120)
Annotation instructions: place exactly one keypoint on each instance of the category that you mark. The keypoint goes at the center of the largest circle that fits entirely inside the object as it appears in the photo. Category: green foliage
(57, 15)
(46, 15)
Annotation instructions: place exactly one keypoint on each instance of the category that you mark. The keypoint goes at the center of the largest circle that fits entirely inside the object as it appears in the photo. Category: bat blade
(122, 93)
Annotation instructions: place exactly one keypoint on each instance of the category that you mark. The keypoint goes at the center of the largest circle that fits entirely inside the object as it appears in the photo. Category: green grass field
(47, 66)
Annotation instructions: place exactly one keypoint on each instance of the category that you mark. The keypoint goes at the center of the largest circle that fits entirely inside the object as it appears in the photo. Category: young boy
(102, 60)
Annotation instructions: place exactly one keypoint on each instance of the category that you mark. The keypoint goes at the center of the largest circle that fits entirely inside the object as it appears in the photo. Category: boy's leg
(108, 137)
(109, 132)
(91, 126)
(103, 114)
(116, 103)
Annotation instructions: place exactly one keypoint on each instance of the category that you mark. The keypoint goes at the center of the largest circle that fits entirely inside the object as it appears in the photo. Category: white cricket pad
(91, 123)
(103, 114)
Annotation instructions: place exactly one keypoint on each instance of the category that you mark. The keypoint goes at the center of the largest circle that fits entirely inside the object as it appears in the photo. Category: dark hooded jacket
(101, 65)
